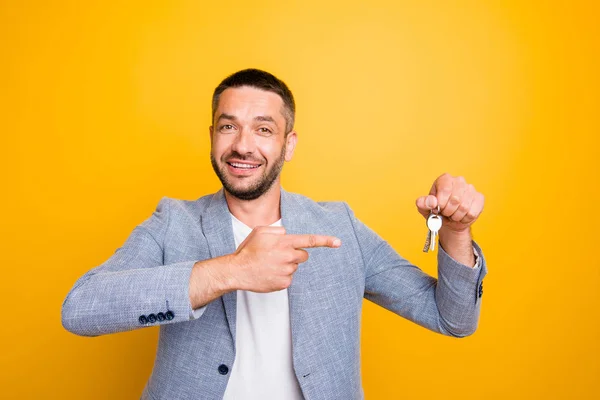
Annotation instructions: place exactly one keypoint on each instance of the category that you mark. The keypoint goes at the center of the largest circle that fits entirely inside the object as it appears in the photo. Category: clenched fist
(459, 202)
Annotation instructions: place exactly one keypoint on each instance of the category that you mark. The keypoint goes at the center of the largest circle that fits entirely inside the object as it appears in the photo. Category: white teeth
(247, 166)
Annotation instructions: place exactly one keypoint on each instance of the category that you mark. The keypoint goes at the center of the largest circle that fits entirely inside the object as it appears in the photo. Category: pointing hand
(267, 259)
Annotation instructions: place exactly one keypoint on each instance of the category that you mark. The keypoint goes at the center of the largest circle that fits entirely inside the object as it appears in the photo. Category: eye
(265, 131)
(226, 128)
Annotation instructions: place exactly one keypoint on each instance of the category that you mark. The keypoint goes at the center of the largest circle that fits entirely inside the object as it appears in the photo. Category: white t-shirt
(263, 368)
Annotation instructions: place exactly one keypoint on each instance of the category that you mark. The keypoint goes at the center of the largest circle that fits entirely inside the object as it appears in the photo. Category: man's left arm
(451, 303)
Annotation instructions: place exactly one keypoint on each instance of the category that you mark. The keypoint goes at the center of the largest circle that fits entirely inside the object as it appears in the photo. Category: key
(434, 223)
(427, 242)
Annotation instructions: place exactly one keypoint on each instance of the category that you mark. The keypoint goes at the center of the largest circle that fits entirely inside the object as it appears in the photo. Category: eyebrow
(226, 116)
(264, 118)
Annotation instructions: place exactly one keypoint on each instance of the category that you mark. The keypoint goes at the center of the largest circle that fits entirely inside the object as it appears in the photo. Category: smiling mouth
(243, 166)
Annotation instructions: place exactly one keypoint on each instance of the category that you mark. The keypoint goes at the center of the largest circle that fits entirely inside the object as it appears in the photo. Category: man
(258, 291)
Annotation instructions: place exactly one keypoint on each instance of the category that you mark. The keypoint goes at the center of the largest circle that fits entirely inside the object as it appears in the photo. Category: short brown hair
(259, 79)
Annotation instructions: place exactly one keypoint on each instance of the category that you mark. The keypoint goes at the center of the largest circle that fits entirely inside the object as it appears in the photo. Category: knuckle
(312, 240)
(286, 282)
(289, 269)
(289, 257)
(463, 207)
(304, 256)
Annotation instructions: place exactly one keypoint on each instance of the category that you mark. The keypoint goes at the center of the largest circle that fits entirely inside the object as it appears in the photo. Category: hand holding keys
(453, 199)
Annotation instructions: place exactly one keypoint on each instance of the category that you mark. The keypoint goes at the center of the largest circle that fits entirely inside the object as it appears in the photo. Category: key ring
(436, 212)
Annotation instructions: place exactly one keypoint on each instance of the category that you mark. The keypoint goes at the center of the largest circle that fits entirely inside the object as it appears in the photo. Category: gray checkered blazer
(145, 283)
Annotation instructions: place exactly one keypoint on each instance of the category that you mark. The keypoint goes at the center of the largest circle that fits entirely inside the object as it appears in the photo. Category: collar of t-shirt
(243, 229)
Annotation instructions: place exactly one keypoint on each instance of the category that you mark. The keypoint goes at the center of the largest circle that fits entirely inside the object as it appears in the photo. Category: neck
(262, 211)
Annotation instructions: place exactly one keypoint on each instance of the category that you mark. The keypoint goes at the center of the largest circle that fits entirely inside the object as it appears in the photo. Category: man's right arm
(133, 288)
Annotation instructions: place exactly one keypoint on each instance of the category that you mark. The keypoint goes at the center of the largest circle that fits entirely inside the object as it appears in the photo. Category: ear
(290, 145)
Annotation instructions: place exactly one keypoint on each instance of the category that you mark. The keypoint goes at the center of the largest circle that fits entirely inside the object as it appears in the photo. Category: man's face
(248, 143)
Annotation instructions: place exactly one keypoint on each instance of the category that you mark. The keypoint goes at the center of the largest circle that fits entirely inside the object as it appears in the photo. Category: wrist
(220, 272)
(458, 245)
(226, 273)
(463, 235)
(209, 280)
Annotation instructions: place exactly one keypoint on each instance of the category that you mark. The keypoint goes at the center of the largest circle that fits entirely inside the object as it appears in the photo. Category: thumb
(425, 204)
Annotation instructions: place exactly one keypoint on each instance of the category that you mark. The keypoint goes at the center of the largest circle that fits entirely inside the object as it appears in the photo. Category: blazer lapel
(216, 225)
(217, 228)
(296, 220)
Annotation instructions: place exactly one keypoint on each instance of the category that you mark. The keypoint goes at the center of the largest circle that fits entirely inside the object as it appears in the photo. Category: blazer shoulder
(180, 207)
(334, 209)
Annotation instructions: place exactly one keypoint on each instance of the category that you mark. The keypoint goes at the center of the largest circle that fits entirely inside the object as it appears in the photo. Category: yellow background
(105, 108)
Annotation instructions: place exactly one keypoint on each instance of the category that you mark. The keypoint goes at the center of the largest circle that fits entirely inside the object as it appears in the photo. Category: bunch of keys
(434, 223)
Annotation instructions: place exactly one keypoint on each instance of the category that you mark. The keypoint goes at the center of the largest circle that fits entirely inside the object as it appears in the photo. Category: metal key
(434, 223)
(427, 242)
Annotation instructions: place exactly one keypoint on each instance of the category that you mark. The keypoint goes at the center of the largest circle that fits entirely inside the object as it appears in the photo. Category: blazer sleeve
(449, 305)
(132, 289)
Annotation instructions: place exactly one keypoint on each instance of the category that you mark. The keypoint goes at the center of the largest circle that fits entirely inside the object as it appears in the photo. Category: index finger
(308, 241)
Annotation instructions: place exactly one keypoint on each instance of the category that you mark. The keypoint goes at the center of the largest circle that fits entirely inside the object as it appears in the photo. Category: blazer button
(160, 316)
(143, 320)
(169, 315)
(152, 318)
(223, 370)
(481, 289)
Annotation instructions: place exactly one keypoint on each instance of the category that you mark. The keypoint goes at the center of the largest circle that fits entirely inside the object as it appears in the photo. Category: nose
(244, 142)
